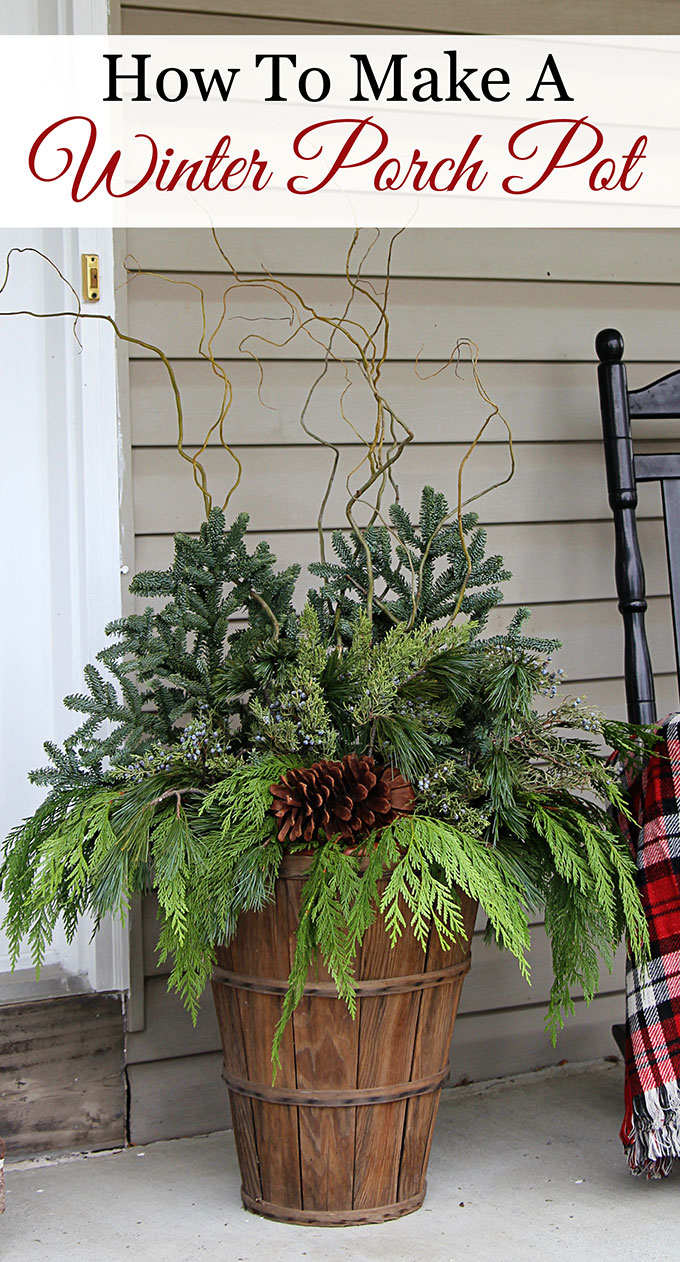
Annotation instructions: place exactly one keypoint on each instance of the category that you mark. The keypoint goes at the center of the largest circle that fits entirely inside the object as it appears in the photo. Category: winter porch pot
(167, 785)
(194, 710)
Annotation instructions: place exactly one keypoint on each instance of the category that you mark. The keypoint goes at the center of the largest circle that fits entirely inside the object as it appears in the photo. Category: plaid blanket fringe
(651, 1132)
(651, 1126)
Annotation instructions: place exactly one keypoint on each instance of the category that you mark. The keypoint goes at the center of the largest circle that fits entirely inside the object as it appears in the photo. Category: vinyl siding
(490, 17)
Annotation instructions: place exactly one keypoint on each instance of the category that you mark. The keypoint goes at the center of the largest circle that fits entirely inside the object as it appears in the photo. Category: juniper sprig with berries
(409, 753)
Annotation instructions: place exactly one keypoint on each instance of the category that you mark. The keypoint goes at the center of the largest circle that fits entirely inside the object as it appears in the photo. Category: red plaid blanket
(651, 1126)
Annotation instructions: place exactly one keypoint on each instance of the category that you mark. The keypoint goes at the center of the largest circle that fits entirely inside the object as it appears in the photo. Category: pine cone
(347, 799)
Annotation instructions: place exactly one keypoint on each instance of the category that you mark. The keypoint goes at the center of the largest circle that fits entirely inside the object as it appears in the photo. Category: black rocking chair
(625, 470)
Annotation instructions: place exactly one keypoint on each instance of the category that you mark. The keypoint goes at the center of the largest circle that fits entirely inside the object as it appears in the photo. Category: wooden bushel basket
(344, 1137)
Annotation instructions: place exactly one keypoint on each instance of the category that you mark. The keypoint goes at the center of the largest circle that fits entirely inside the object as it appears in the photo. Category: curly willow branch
(366, 353)
(79, 314)
(290, 298)
(227, 389)
(315, 384)
(461, 503)
(368, 350)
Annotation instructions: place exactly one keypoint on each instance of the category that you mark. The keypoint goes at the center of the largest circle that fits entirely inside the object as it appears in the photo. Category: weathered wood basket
(344, 1137)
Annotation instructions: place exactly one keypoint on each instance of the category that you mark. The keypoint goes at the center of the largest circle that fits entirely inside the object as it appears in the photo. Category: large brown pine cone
(347, 799)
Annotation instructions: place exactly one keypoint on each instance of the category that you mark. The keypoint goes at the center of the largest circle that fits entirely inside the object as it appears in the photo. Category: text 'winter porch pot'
(321, 790)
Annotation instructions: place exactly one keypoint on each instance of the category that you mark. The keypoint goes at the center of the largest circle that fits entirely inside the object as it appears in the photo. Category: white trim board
(60, 505)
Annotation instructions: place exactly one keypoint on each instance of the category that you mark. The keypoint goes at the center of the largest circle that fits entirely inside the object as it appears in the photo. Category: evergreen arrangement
(380, 730)
(409, 754)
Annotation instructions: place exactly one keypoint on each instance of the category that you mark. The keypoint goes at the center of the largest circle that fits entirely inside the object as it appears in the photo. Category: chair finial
(609, 345)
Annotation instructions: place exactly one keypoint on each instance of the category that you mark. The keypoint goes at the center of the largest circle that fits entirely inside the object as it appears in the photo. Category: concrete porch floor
(528, 1167)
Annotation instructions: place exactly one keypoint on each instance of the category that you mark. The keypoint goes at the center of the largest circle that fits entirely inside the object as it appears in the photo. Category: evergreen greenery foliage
(423, 575)
(166, 783)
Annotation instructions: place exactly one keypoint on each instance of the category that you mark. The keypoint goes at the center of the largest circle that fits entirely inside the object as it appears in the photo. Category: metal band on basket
(335, 1099)
(367, 988)
(332, 1217)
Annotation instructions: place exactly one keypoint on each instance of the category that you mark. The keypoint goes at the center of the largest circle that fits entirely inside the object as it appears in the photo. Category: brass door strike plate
(90, 277)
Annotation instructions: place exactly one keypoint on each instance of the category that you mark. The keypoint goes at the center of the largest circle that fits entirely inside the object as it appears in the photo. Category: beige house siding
(499, 17)
(533, 302)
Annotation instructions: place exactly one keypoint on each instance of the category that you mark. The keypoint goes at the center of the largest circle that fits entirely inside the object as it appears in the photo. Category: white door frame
(64, 459)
